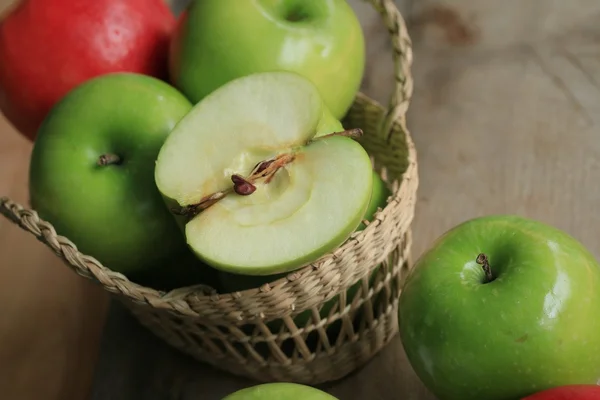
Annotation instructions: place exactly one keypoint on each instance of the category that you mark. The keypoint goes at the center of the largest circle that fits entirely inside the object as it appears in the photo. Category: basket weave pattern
(253, 333)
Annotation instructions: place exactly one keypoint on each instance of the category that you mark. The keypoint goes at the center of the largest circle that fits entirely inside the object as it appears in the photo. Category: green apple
(280, 391)
(261, 195)
(501, 307)
(379, 196)
(92, 170)
(217, 41)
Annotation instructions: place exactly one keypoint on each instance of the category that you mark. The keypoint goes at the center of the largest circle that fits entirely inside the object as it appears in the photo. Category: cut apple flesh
(304, 209)
(244, 122)
(309, 208)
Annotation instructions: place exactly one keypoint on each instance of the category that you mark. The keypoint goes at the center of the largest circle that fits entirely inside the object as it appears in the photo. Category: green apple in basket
(217, 41)
(501, 307)
(235, 282)
(280, 391)
(182, 270)
(259, 193)
(92, 170)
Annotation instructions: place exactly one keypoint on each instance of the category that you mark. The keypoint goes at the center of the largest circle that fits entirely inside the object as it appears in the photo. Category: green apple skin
(280, 391)
(114, 213)
(220, 40)
(379, 196)
(533, 327)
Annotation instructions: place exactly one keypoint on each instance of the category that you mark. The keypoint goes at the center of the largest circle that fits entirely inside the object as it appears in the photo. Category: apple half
(262, 178)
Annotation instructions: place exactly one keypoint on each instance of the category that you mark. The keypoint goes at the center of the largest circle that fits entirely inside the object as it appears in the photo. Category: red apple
(47, 47)
(568, 392)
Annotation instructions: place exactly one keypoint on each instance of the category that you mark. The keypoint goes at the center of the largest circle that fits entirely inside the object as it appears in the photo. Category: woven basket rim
(177, 300)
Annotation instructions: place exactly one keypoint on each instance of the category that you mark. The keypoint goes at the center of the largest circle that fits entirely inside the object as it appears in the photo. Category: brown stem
(261, 166)
(109, 159)
(354, 133)
(483, 260)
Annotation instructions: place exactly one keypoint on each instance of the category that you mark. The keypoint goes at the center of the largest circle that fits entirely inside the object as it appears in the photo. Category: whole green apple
(92, 170)
(280, 391)
(501, 307)
(219, 40)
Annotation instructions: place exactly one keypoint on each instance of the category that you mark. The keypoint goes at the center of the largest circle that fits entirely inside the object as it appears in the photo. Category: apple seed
(261, 166)
(242, 186)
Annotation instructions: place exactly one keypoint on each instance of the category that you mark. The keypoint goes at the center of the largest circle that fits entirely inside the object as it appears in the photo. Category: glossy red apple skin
(47, 47)
(569, 392)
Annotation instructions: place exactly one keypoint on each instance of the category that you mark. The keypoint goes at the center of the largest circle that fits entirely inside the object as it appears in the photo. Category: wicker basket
(252, 333)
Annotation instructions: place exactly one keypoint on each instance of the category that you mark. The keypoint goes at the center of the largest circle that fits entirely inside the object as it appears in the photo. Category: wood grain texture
(505, 117)
(51, 321)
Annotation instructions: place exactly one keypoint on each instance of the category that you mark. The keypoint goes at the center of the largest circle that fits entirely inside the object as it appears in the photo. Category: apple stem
(268, 168)
(483, 261)
(242, 186)
(109, 159)
(195, 209)
(354, 133)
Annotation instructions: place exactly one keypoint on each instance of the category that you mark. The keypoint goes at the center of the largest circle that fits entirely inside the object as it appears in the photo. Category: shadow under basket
(319, 323)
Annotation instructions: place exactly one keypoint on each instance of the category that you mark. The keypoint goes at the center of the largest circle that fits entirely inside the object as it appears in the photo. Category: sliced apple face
(262, 194)
(246, 121)
(309, 207)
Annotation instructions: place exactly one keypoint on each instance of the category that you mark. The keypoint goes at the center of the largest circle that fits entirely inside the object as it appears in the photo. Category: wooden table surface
(505, 118)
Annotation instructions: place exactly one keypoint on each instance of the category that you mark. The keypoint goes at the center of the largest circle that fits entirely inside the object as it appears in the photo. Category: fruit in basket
(92, 170)
(47, 47)
(319, 39)
(259, 193)
(568, 392)
(280, 391)
(234, 282)
(501, 307)
(379, 196)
